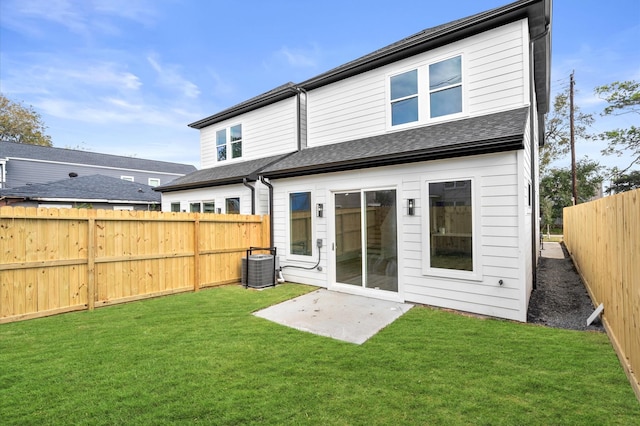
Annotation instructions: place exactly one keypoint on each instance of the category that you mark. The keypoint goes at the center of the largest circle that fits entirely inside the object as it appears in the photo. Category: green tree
(625, 182)
(557, 142)
(622, 98)
(21, 124)
(556, 185)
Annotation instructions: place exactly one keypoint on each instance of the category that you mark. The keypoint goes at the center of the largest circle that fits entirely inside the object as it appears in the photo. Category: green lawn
(203, 358)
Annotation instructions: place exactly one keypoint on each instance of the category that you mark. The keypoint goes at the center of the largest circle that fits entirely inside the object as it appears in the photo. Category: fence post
(196, 254)
(91, 264)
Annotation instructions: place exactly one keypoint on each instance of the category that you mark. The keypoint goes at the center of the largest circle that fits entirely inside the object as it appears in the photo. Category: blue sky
(126, 76)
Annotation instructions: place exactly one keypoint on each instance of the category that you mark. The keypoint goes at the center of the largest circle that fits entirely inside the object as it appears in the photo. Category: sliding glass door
(365, 239)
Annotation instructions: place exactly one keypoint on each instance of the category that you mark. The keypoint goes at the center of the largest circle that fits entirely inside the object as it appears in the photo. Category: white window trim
(151, 181)
(233, 197)
(128, 178)
(228, 144)
(288, 254)
(424, 106)
(476, 274)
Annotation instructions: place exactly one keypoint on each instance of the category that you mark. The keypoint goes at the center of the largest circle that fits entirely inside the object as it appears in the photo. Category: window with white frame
(445, 87)
(154, 181)
(300, 223)
(127, 178)
(435, 87)
(232, 205)
(200, 206)
(229, 141)
(175, 207)
(450, 217)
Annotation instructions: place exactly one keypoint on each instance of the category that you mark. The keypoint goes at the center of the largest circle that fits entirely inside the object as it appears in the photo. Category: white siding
(500, 245)
(271, 130)
(218, 194)
(494, 78)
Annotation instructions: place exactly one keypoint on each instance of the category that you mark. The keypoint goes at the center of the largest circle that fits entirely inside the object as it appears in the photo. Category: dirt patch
(560, 299)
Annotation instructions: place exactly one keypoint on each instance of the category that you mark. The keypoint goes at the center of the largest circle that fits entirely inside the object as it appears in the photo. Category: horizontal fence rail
(603, 238)
(62, 260)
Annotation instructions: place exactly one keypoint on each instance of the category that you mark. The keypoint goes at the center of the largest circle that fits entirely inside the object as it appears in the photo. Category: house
(408, 174)
(95, 191)
(24, 164)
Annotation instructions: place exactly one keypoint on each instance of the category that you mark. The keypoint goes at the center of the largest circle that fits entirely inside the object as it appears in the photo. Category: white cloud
(84, 17)
(169, 77)
(299, 58)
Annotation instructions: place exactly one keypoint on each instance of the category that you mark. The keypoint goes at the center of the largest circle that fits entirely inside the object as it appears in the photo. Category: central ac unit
(258, 270)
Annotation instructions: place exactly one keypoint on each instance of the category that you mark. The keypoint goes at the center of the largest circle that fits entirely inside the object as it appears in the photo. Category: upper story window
(436, 88)
(445, 87)
(404, 98)
(229, 141)
(127, 178)
(154, 181)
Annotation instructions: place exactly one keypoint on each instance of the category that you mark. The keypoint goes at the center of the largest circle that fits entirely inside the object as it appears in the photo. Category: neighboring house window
(127, 178)
(404, 98)
(209, 207)
(175, 207)
(154, 181)
(436, 88)
(194, 207)
(451, 225)
(128, 208)
(300, 223)
(445, 87)
(229, 140)
(232, 205)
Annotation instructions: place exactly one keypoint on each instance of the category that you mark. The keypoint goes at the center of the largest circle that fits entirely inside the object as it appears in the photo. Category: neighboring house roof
(477, 135)
(538, 12)
(221, 175)
(63, 155)
(94, 188)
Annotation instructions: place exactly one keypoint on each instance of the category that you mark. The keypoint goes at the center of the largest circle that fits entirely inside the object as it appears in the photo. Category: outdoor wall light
(411, 203)
(319, 209)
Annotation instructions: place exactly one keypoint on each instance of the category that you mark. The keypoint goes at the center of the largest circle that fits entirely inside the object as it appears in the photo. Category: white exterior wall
(269, 131)
(219, 194)
(500, 248)
(495, 78)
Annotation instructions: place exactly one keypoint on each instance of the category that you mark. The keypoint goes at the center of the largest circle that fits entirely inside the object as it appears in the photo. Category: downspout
(253, 194)
(268, 185)
(532, 146)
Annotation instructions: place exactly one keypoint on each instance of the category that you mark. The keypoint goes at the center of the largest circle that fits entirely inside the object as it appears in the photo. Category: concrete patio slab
(337, 315)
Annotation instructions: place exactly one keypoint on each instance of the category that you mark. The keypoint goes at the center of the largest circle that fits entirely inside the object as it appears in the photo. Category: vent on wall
(259, 270)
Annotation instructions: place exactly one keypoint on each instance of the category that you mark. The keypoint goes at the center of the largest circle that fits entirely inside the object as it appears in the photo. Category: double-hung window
(404, 98)
(229, 140)
(445, 87)
(427, 92)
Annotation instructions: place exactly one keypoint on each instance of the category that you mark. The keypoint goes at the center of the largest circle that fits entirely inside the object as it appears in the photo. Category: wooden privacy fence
(61, 260)
(603, 238)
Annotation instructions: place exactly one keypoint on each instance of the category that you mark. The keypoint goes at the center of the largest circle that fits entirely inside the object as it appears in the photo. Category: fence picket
(59, 261)
(603, 238)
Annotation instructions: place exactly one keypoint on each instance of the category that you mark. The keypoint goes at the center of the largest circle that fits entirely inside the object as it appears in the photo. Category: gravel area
(560, 299)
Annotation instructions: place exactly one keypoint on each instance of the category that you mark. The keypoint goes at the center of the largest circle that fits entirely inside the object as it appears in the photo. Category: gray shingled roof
(221, 175)
(490, 133)
(36, 152)
(87, 188)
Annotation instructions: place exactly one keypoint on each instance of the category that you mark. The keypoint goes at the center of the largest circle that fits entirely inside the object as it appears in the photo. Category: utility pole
(574, 183)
